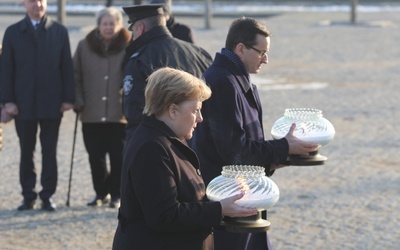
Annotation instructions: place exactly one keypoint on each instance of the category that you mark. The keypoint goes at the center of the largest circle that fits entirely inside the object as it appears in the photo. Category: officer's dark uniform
(154, 49)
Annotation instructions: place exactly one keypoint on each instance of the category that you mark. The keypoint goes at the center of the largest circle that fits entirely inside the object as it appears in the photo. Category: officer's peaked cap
(137, 12)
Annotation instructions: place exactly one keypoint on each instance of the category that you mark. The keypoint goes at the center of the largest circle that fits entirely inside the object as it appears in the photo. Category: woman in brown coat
(98, 78)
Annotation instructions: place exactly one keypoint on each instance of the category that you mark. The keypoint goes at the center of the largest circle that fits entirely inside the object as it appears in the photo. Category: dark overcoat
(37, 72)
(232, 129)
(163, 202)
(157, 48)
(232, 134)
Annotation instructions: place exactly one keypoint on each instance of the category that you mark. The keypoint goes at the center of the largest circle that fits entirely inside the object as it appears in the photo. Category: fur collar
(119, 43)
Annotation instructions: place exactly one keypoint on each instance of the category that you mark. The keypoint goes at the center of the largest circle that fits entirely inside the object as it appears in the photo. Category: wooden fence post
(61, 14)
(354, 11)
(208, 13)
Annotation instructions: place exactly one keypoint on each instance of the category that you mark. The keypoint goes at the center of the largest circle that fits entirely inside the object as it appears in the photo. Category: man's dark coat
(232, 130)
(157, 48)
(232, 134)
(37, 71)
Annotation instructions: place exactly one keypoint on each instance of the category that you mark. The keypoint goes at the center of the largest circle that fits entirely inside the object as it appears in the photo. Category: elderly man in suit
(37, 86)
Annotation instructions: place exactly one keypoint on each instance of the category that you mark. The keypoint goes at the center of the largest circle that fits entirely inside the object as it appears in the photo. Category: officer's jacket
(155, 49)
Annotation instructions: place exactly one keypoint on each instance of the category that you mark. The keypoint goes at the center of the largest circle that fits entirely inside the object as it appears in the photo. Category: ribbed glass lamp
(311, 126)
(260, 193)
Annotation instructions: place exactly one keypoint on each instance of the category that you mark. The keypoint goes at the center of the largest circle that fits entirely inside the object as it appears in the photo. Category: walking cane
(72, 158)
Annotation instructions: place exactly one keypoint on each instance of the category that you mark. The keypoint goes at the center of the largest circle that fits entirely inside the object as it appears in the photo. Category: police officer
(153, 47)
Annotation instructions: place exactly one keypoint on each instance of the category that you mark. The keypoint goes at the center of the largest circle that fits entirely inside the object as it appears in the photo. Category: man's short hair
(244, 30)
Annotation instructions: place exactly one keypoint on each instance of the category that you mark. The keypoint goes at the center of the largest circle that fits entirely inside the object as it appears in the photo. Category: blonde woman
(163, 203)
(98, 78)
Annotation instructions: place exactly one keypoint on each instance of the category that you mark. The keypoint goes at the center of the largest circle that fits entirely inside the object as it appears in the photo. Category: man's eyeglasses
(262, 53)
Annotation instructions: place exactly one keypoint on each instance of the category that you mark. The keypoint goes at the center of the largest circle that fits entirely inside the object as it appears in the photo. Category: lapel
(258, 103)
(249, 89)
(26, 28)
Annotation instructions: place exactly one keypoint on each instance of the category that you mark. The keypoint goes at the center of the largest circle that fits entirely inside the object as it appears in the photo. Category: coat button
(106, 78)
(103, 119)
(104, 98)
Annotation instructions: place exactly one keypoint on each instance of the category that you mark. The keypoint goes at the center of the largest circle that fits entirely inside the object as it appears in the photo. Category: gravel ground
(317, 60)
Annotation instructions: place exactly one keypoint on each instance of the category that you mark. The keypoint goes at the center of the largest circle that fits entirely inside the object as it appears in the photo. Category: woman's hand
(229, 208)
(78, 108)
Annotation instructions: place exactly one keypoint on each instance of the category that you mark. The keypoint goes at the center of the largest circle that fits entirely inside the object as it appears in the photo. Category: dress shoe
(48, 205)
(99, 201)
(26, 205)
(115, 202)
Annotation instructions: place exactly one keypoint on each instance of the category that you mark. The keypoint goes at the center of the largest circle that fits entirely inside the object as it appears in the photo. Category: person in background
(153, 47)
(232, 131)
(37, 87)
(4, 116)
(178, 30)
(98, 77)
(163, 203)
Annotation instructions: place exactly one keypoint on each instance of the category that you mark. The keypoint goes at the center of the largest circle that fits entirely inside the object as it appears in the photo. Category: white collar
(34, 22)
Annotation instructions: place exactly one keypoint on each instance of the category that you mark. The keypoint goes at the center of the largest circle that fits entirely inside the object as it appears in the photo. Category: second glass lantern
(260, 193)
(311, 126)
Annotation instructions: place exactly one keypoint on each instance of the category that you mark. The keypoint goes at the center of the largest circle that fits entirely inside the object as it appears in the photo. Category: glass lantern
(311, 126)
(260, 193)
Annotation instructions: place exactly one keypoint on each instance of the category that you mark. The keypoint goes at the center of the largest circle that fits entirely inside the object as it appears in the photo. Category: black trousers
(242, 241)
(48, 135)
(100, 139)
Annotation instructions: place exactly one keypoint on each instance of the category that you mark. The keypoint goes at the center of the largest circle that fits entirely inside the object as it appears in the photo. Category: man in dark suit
(232, 130)
(37, 87)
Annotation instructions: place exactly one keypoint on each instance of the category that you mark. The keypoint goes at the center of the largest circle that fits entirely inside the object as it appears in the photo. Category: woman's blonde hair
(166, 86)
(110, 11)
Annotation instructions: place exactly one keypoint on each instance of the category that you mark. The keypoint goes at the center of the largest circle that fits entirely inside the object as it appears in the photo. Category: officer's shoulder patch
(128, 84)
